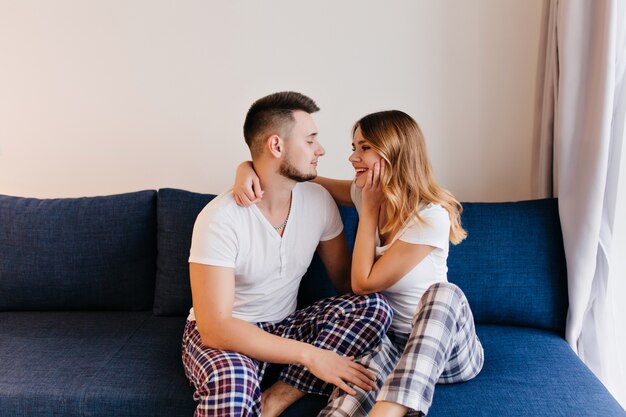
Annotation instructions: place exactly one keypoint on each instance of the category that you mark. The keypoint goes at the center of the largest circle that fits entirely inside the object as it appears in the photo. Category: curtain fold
(578, 149)
(542, 181)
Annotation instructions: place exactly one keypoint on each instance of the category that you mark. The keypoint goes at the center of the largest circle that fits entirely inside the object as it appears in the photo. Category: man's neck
(276, 188)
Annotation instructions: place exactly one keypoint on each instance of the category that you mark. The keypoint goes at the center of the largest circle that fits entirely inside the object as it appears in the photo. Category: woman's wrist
(369, 213)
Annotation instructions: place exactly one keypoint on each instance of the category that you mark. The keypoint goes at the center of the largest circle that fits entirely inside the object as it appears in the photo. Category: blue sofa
(94, 293)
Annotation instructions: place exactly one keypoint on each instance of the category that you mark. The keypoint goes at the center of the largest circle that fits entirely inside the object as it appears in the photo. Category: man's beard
(286, 169)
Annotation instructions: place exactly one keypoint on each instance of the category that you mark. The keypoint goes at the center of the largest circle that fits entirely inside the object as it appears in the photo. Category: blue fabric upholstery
(94, 253)
(512, 264)
(99, 254)
(92, 364)
(128, 364)
(527, 372)
(145, 377)
(176, 214)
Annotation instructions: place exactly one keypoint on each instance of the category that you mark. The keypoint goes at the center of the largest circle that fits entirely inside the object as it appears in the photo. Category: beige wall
(100, 97)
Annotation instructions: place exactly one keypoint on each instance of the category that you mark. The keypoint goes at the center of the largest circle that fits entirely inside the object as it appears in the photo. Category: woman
(406, 221)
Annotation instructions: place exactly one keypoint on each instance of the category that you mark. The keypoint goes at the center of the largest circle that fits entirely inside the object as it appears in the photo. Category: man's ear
(275, 146)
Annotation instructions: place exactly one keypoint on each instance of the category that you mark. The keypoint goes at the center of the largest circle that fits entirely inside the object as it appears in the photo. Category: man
(245, 269)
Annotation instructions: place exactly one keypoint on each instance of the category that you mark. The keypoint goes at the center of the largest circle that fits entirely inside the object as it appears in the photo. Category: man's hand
(247, 189)
(339, 370)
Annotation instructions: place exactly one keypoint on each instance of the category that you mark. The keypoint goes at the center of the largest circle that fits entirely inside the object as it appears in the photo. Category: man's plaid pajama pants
(441, 348)
(228, 383)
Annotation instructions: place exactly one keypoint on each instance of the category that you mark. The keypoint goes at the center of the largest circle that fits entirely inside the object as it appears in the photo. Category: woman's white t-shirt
(404, 295)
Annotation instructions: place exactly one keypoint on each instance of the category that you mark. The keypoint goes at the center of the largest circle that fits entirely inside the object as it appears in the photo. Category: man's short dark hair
(273, 114)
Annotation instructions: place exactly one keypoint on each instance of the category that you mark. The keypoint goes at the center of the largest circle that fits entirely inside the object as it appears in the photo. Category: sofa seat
(94, 292)
(92, 364)
(527, 372)
(128, 364)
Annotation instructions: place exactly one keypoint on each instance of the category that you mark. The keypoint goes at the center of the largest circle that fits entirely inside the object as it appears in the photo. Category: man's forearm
(243, 337)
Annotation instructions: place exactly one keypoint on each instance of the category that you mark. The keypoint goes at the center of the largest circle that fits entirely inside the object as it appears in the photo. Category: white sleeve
(214, 241)
(435, 231)
(333, 225)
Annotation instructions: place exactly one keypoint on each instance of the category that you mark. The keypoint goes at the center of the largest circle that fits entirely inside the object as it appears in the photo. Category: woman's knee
(441, 299)
(445, 290)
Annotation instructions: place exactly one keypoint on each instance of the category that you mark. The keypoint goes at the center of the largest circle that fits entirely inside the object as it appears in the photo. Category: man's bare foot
(277, 398)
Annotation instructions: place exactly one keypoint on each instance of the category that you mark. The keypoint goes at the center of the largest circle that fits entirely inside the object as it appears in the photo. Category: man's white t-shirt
(404, 295)
(268, 268)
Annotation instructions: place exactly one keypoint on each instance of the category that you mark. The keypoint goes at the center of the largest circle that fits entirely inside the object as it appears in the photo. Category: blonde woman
(406, 221)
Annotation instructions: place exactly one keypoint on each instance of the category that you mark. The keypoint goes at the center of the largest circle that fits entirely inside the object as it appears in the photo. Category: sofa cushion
(92, 253)
(92, 364)
(113, 363)
(527, 372)
(145, 377)
(512, 264)
(176, 214)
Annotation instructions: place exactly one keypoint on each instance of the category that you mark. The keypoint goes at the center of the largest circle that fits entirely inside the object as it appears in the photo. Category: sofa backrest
(176, 214)
(92, 253)
(511, 266)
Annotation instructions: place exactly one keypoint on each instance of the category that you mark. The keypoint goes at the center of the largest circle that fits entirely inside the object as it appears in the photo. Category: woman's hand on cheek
(372, 192)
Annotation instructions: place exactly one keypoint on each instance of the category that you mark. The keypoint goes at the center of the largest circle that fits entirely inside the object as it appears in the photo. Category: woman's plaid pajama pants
(228, 383)
(441, 348)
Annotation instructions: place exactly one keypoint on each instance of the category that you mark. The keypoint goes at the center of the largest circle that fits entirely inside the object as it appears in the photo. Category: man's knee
(370, 314)
(376, 307)
(371, 305)
(231, 373)
(239, 376)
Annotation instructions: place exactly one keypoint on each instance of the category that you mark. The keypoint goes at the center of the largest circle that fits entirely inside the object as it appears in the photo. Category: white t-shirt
(404, 295)
(268, 268)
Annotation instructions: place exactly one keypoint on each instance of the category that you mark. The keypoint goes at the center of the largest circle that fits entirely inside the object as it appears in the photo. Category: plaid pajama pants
(228, 383)
(441, 348)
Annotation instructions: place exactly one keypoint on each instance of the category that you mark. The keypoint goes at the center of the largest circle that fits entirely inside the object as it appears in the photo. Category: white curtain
(578, 151)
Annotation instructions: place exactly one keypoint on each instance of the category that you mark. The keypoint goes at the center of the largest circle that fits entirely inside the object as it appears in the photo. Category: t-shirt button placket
(283, 260)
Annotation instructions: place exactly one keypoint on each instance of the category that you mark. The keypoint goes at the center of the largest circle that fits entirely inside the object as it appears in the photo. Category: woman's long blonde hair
(408, 182)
